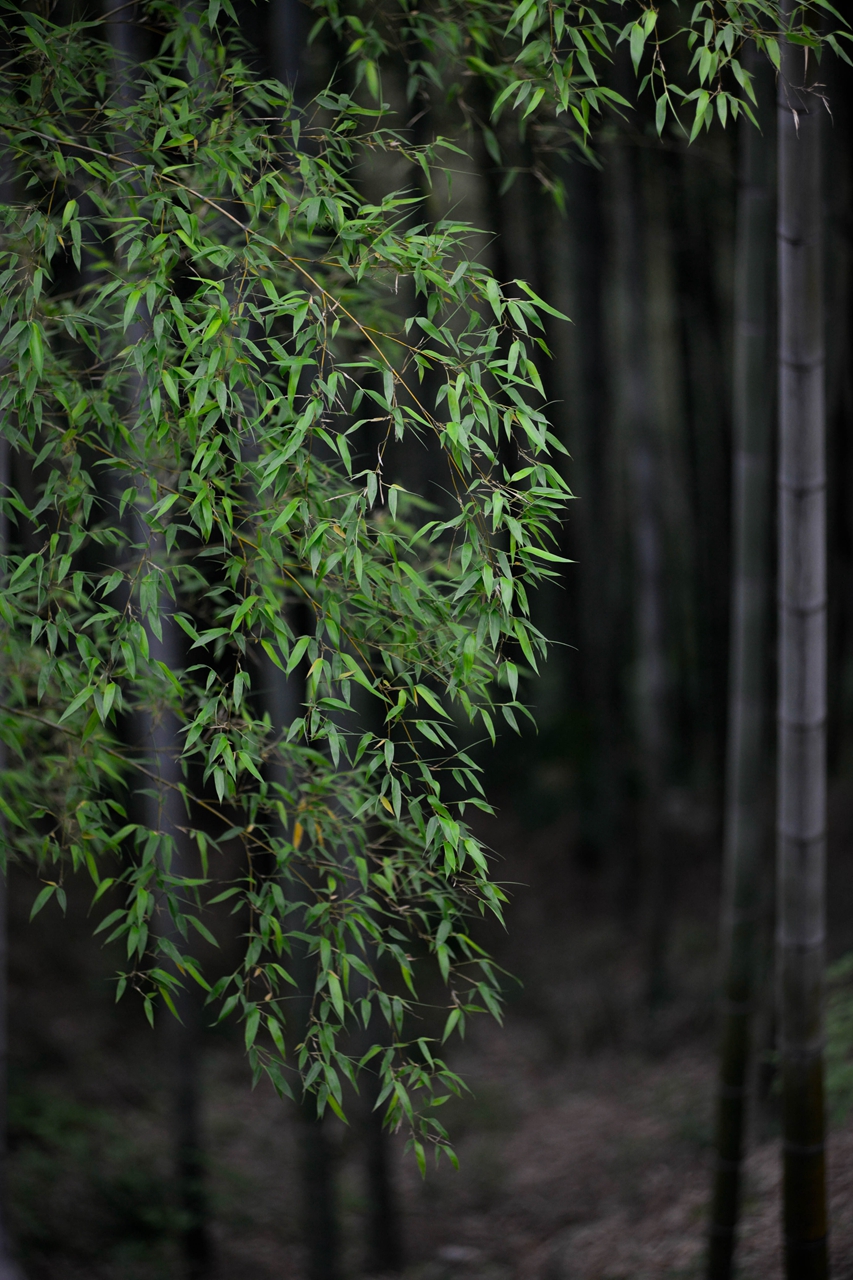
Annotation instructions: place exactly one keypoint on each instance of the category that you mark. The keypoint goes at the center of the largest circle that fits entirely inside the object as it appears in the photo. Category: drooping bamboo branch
(801, 806)
(746, 833)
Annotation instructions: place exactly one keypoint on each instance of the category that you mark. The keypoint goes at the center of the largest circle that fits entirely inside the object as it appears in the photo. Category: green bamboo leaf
(247, 762)
(274, 1028)
(494, 297)
(722, 108)
(337, 1108)
(109, 699)
(430, 699)
(283, 520)
(171, 388)
(76, 703)
(337, 996)
(37, 347)
(702, 102)
(541, 305)
(637, 43)
(252, 1020)
(371, 75)
(297, 653)
(130, 307)
(534, 102)
(450, 1025)
(22, 568)
(202, 929)
(44, 896)
(9, 813)
(272, 655)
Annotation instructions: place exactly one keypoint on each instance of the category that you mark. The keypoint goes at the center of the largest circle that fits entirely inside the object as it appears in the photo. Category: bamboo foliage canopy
(207, 362)
(198, 328)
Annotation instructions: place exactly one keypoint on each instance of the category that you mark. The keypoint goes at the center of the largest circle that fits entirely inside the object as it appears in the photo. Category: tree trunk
(164, 812)
(287, 43)
(644, 481)
(801, 806)
(283, 697)
(8, 1269)
(319, 1210)
(384, 1246)
(746, 834)
(585, 428)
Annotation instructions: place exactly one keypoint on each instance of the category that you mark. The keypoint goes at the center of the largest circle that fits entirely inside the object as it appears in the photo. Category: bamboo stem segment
(801, 800)
(747, 826)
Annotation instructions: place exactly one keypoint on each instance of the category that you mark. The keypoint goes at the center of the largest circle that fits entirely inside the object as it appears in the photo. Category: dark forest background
(585, 1142)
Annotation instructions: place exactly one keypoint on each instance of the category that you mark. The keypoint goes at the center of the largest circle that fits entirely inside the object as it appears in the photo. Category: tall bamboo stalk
(571, 269)
(644, 481)
(746, 834)
(283, 697)
(162, 804)
(165, 813)
(8, 1269)
(801, 807)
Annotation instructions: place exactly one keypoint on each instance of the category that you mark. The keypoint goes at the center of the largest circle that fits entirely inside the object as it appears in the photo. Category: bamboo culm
(746, 834)
(644, 481)
(163, 811)
(801, 799)
(8, 1268)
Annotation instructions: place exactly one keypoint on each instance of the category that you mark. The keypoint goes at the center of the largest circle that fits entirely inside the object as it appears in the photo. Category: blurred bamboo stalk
(164, 812)
(801, 802)
(8, 1269)
(577, 289)
(746, 832)
(283, 697)
(645, 497)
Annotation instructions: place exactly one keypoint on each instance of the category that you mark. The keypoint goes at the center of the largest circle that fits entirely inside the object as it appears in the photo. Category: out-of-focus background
(585, 1139)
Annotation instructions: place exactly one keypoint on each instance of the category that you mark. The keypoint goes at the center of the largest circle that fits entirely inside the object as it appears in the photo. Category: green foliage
(206, 367)
(545, 60)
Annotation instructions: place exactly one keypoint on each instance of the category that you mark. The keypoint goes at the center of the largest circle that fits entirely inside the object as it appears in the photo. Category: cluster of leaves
(207, 370)
(545, 60)
(241, 651)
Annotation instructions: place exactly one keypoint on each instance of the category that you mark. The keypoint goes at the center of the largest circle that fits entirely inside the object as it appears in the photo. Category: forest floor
(598, 1170)
(584, 1144)
(601, 1171)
